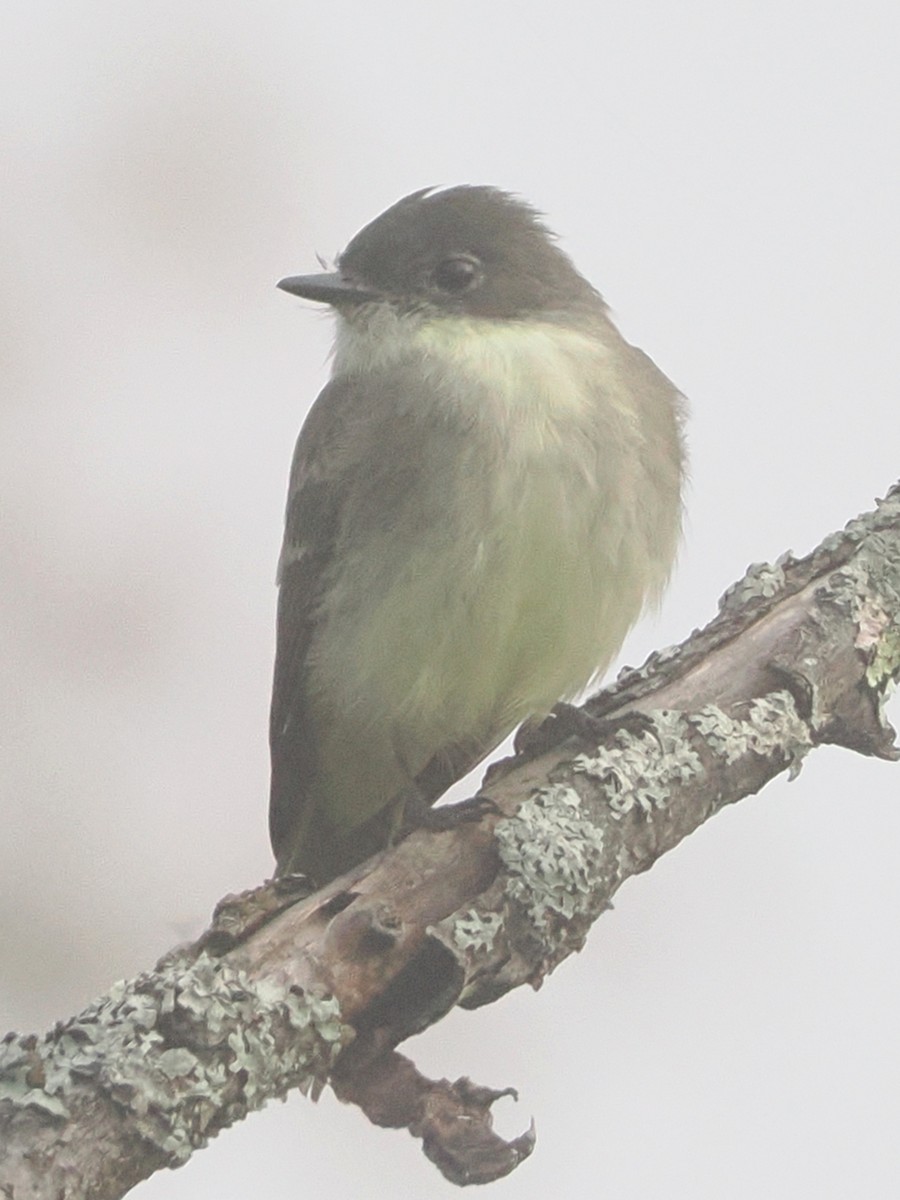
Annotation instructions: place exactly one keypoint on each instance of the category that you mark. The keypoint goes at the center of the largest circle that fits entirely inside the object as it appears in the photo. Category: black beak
(329, 288)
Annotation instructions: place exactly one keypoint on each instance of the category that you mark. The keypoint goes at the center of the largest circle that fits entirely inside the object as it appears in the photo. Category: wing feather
(312, 522)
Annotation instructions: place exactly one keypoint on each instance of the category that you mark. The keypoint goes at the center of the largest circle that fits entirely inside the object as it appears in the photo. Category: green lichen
(868, 589)
(234, 1038)
(768, 725)
(877, 610)
(22, 1076)
(639, 771)
(552, 853)
(760, 581)
(884, 667)
(476, 932)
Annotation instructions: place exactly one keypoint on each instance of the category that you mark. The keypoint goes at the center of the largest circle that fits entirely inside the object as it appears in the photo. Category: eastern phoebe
(482, 499)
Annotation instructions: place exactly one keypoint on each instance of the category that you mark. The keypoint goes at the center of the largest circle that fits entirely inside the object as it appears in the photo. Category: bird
(482, 500)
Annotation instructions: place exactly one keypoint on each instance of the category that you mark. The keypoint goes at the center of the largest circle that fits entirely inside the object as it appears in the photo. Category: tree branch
(282, 993)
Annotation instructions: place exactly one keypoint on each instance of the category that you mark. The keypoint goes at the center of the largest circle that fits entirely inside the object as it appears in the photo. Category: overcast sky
(728, 176)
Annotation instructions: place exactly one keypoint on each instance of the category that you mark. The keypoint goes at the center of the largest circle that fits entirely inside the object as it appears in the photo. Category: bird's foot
(417, 813)
(568, 721)
(451, 816)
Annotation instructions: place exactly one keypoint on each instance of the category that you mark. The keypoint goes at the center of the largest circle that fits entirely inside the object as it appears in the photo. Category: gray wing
(335, 487)
(312, 523)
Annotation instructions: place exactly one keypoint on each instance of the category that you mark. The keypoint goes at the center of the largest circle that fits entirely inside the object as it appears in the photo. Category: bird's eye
(457, 274)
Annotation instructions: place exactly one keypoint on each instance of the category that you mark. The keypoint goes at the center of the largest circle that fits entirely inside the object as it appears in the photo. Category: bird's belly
(514, 598)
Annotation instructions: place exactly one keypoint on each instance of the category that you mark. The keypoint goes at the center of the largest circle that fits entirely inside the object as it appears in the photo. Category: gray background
(727, 174)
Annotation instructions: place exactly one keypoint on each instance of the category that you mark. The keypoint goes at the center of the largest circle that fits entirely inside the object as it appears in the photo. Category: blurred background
(728, 176)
